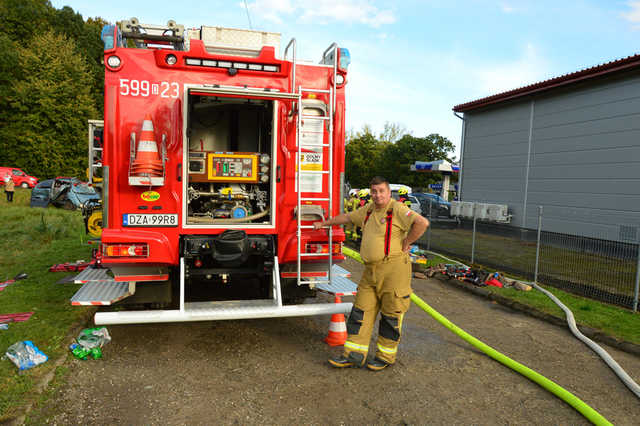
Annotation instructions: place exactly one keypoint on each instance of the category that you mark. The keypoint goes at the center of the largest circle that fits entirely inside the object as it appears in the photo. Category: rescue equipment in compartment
(147, 168)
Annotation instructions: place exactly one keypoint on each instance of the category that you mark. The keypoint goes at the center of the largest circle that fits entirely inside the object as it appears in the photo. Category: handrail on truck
(286, 50)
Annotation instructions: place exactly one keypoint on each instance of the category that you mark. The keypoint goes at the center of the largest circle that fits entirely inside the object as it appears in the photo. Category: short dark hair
(377, 180)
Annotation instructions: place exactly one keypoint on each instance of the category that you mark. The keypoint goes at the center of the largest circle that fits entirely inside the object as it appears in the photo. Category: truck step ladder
(302, 143)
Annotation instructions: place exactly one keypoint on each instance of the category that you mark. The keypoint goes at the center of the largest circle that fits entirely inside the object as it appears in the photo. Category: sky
(412, 61)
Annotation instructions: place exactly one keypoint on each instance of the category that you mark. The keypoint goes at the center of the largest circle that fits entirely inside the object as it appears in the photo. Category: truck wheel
(24, 185)
(68, 205)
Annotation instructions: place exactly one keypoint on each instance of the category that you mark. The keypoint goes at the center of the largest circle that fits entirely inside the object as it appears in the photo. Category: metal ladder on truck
(335, 281)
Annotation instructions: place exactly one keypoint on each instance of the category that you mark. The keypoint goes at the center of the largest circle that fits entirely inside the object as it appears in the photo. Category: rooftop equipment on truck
(217, 158)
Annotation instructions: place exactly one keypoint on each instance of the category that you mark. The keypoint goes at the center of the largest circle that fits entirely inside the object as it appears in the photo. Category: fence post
(535, 276)
(429, 228)
(637, 286)
(473, 238)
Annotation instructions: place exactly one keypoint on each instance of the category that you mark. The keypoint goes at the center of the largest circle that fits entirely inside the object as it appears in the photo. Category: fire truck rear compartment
(230, 160)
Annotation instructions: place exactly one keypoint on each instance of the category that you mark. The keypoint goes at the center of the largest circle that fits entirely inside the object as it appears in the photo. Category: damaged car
(67, 192)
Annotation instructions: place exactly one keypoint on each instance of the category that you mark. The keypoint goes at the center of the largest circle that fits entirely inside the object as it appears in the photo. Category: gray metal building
(570, 144)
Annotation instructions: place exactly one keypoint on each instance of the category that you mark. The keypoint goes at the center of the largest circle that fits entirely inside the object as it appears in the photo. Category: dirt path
(274, 371)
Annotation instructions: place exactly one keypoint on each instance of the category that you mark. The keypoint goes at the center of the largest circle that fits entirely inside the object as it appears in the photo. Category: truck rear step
(103, 292)
(340, 285)
(92, 274)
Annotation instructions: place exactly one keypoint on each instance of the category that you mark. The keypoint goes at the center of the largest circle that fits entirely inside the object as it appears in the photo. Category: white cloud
(507, 8)
(322, 11)
(633, 15)
(498, 77)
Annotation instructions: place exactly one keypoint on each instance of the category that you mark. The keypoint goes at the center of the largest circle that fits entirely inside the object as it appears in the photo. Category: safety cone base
(337, 329)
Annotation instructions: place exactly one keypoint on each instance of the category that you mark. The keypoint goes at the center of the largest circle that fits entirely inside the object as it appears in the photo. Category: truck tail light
(125, 250)
(323, 248)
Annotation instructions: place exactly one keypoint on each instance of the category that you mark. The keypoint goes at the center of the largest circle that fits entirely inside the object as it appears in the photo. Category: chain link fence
(596, 268)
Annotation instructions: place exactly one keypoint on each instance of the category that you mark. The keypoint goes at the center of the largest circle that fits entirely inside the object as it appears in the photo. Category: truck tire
(68, 205)
(24, 185)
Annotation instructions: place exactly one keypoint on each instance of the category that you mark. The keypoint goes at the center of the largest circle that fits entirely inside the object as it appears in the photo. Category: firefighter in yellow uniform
(362, 199)
(403, 197)
(350, 206)
(389, 228)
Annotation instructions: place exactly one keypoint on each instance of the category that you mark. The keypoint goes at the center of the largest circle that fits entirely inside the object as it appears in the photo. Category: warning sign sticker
(311, 162)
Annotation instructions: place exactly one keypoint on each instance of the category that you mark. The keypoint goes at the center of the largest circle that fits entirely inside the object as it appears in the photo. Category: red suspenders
(387, 233)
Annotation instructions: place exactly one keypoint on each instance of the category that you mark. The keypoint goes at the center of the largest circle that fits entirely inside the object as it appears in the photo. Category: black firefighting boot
(354, 359)
(377, 364)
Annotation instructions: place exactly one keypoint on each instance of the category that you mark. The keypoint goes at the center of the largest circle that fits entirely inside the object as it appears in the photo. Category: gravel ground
(275, 371)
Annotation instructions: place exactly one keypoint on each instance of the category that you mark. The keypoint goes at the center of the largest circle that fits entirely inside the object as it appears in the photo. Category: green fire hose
(588, 412)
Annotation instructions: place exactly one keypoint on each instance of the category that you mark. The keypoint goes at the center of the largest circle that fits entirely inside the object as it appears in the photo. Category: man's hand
(318, 225)
(405, 246)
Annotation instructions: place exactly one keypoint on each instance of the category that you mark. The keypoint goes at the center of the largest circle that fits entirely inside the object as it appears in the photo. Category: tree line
(51, 83)
(391, 153)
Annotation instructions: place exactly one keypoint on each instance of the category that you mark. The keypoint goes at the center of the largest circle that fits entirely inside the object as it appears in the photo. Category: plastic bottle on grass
(79, 351)
(94, 337)
(25, 355)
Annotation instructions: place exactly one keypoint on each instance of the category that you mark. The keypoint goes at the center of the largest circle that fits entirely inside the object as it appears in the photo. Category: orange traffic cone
(337, 329)
(148, 161)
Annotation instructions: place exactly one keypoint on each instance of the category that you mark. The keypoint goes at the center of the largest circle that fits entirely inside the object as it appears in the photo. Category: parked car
(415, 204)
(66, 192)
(20, 178)
(439, 206)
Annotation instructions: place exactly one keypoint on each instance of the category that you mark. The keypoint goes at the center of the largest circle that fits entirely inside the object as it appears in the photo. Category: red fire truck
(217, 157)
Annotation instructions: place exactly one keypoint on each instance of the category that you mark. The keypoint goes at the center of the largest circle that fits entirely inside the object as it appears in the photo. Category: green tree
(363, 152)
(398, 157)
(21, 19)
(49, 106)
(391, 132)
(87, 39)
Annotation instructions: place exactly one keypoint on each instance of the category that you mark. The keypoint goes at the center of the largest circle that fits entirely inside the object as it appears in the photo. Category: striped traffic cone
(337, 329)
(148, 161)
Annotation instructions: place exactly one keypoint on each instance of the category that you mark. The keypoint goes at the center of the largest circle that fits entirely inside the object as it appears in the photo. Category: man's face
(380, 194)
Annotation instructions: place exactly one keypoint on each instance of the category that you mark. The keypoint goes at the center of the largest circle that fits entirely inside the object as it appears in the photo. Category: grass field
(594, 273)
(610, 319)
(31, 240)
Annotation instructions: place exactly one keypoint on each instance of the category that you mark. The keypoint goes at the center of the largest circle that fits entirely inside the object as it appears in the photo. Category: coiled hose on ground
(580, 406)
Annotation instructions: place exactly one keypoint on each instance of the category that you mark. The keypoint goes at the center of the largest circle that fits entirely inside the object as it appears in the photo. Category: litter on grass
(90, 342)
(25, 355)
(5, 284)
(23, 316)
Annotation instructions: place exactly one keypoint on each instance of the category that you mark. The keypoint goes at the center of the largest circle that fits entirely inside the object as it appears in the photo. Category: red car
(20, 178)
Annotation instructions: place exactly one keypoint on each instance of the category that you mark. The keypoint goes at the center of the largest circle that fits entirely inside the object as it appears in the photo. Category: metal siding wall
(585, 158)
(495, 157)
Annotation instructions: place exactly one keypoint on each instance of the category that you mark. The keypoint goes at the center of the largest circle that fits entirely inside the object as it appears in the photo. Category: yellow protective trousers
(385, 288)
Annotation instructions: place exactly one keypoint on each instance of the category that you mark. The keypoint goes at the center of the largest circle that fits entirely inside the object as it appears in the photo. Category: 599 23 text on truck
(217, 157)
